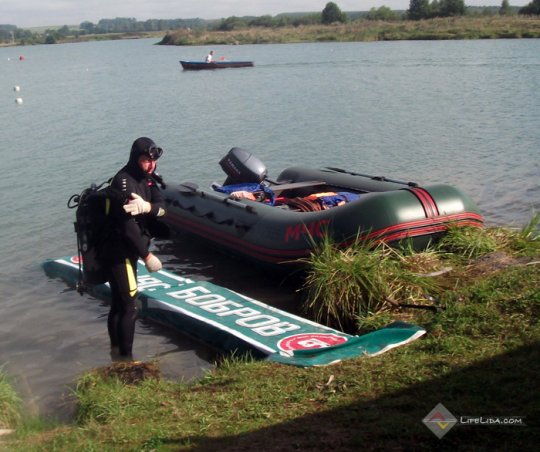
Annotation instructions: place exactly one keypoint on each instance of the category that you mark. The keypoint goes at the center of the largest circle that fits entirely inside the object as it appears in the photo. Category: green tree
(532, 8)
(7, 32)
(88, 27)
(232, 23)
(64, 31)
(435, 8)
(418, 9)
(331, 13)
(310, 19)
(382, 13)
(262, 21)
(449, 8)
(505, 9)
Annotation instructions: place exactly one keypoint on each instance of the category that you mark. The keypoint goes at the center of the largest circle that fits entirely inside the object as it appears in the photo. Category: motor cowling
(242, 167)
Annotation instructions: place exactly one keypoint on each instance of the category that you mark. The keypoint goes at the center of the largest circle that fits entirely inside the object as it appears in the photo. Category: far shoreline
(452, 28)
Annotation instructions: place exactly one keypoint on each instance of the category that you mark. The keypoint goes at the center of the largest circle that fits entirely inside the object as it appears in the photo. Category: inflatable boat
(280, 221)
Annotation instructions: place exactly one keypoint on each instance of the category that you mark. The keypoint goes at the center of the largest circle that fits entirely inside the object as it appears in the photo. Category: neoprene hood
(144, 146)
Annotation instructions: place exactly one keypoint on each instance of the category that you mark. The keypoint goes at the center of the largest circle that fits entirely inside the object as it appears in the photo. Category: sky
(36, 13)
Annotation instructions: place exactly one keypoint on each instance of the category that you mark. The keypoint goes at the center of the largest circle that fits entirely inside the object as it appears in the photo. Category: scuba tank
(97, 220)
(93, 224)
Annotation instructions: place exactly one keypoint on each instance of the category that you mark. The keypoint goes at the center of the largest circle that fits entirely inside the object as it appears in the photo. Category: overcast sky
(34, 13)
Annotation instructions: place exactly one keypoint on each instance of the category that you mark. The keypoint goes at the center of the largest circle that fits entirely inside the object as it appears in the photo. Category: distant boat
(200, 65)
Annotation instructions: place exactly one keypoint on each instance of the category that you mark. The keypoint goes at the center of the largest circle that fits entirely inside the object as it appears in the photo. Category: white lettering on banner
(242, 312)
(202, 300)
(266, 320)
(274, 330)
(216, 308)
(312, 343)
(259, 323)
(188, 293)
(147, 282)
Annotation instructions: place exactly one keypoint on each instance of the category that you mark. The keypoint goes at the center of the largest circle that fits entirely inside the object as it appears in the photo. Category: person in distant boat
(131, 240)
(210, 57)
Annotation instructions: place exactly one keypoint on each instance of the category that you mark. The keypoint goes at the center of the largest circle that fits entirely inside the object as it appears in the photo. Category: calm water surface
(459, 112)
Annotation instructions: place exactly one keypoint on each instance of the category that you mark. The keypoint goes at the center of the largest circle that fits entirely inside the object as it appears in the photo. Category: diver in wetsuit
(131, 240)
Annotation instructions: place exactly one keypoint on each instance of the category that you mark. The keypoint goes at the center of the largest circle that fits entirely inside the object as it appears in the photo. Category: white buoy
(18, 100)
(16, 88)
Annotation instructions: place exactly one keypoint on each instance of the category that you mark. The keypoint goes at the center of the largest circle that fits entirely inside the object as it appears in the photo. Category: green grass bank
(481, 357)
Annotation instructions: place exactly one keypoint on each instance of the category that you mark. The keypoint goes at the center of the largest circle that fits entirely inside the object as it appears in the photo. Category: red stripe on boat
(429, 199)
(428, 203)
(388, 234)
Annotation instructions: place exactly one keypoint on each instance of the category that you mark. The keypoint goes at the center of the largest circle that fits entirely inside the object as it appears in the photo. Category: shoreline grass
(10, 404)
(495, 27)
(450, 28)
(481, 357)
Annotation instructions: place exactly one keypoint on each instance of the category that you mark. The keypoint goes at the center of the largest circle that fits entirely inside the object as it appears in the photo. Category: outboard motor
(242, 167)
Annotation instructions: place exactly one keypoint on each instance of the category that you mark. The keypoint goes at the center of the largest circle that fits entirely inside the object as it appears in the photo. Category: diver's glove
(152, 263)
(137, 205)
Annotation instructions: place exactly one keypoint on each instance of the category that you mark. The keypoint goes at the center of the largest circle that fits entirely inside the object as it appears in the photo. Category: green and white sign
(234, 322)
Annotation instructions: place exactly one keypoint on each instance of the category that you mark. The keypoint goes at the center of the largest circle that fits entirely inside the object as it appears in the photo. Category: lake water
(466, 113)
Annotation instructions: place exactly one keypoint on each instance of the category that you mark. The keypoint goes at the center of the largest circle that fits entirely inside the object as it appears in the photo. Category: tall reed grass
(345, 286)
(368, 30)
(10, 404)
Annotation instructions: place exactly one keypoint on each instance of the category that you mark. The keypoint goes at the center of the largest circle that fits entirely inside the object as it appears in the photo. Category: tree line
(418, 9)
(426, 9)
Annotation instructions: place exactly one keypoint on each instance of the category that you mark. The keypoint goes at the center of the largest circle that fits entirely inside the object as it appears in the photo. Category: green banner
(234, 322)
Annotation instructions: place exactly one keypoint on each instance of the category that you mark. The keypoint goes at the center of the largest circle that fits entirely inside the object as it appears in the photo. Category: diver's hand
(152, 263)
(137, 205)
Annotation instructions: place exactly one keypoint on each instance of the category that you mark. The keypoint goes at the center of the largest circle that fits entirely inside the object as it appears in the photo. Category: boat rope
(378, 178)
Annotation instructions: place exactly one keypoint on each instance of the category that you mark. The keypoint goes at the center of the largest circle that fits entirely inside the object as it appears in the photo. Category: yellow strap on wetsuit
(132, 281)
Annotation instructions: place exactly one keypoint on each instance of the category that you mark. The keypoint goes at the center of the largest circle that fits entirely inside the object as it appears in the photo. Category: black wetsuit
(120, 253)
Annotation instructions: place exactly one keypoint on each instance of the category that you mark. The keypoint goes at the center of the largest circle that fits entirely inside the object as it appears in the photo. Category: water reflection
(69, 333)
